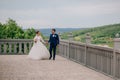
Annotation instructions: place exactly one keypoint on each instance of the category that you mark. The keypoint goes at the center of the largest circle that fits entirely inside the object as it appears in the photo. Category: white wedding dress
(38, 51)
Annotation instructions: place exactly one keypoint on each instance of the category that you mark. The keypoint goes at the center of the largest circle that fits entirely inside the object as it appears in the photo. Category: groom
(54, 41)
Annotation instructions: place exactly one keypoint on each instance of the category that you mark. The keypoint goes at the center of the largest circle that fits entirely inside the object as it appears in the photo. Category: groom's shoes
(54, 59)
(50, 58)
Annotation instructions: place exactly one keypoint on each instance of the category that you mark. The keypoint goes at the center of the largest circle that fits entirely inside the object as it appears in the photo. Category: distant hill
(102, 35)
(47, 32)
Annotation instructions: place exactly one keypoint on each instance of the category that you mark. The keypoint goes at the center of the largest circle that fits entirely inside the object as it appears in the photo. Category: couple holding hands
(39, 50)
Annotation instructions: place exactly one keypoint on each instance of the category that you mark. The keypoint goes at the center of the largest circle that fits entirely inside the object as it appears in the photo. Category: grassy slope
(100, 35)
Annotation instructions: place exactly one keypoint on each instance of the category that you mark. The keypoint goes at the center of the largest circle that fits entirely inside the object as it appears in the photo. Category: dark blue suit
(54, 41)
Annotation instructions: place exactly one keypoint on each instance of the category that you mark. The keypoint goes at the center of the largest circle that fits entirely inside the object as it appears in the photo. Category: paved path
(18, 67)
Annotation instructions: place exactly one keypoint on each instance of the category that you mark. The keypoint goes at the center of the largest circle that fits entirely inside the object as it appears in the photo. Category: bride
(38, 51)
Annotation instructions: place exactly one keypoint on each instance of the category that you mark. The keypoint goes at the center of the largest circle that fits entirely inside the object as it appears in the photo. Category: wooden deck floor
(18, 67)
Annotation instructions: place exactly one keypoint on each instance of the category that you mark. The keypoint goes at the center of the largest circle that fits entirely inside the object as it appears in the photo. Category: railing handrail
(11, 40)
(89, 45)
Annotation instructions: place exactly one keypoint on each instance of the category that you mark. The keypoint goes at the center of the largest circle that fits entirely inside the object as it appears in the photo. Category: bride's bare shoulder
(40, 36)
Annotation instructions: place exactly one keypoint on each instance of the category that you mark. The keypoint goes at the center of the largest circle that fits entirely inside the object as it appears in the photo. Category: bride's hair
(37, 32)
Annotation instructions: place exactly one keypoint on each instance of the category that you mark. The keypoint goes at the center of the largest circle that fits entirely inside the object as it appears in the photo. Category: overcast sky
(60, 13)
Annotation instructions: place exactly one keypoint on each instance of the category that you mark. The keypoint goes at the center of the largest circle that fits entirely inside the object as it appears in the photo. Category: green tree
(11, 30)
(29, 33)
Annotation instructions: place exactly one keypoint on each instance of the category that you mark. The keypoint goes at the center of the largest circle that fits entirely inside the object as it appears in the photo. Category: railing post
(5, 48)
(15, 47)
(59, 48)
(0, 48)
(10, 47)
(88, 41)
(116, 47)
(25, 47)
(30, 45)
(70, 36)
(59, 35)
(20, 47)
(70, 39)
(88, 38)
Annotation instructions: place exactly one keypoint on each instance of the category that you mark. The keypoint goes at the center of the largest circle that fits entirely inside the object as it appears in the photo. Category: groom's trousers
(52, 48)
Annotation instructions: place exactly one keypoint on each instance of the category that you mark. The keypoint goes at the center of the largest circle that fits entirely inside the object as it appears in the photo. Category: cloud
(90, 9)
(60, 13)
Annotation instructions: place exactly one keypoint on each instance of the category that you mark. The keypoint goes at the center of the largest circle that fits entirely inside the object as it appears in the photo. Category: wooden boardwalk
(18, 67)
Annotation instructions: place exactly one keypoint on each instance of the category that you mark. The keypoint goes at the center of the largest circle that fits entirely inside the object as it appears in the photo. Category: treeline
(100, 35)
(11, 30)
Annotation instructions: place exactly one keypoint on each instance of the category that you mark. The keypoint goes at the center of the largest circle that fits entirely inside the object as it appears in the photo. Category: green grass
(100, 35)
